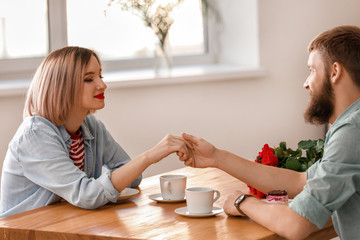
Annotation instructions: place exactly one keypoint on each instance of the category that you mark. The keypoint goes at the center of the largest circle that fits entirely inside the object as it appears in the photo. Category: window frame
(57, 29)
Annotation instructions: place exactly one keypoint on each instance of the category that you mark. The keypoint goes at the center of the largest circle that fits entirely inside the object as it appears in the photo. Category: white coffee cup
(173, 187)
(199, 200)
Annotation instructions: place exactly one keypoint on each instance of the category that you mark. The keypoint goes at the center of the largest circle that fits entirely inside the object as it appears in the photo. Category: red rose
(266, 157)
(256, 193)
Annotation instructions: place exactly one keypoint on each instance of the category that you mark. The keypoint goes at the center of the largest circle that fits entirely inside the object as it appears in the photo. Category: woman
(60, 148)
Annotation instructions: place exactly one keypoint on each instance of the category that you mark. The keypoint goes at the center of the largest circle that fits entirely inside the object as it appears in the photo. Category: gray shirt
(333, 183)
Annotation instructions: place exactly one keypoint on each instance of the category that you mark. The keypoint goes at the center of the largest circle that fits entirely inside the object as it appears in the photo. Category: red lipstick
(100, 96)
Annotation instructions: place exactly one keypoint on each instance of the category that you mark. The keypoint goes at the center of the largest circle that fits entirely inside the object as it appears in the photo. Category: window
(27, 37)
(29, 30)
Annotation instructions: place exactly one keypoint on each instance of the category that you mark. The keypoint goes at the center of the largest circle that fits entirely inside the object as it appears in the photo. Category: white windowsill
(147, 77)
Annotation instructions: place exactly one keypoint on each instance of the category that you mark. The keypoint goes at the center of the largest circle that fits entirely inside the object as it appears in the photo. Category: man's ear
(335, 72)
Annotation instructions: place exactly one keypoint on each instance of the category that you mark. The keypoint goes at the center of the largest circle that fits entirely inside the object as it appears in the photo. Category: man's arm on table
(278, 218)
(262, 177)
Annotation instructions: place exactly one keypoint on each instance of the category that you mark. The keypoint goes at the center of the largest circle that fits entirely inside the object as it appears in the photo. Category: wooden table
(141, 217)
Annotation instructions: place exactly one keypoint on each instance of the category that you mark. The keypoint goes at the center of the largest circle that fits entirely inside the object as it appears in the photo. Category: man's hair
(340, 44)
(57, 84)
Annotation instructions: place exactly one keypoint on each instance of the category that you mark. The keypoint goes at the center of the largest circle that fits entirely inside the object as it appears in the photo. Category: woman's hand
(202, 153)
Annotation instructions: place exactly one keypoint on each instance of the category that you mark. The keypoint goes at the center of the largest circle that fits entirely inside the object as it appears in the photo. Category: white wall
(239, 115)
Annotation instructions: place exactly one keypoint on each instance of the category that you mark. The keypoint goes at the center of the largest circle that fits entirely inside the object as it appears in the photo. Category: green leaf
(303, 160)
(309, 154)
(292, 152)
(279, 153)
(307, 144)
(283, 145)
(303, 168)
(293, 164)
(313, 152)
(299, 153)
(320, 145)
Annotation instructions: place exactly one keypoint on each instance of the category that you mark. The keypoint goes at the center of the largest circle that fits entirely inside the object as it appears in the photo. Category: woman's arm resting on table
(278, 218)
(262, 177)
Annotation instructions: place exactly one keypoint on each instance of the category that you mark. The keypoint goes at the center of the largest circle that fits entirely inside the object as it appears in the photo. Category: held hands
(169, 144)
(203, 154)
(193, 151)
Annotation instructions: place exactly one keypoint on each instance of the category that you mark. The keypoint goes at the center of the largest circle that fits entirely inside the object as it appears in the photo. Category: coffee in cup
(199, 200)
(173, 187)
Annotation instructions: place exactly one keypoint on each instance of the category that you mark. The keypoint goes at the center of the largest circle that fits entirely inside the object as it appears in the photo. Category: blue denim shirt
(38, 171)
(333, 183)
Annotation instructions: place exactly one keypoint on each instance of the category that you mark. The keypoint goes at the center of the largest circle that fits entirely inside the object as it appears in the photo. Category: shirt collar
(350, 109)
(85, 132)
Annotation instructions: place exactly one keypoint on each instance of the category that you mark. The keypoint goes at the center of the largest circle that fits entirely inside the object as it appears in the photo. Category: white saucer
(158, 198)
(127, 193)
(184, 212)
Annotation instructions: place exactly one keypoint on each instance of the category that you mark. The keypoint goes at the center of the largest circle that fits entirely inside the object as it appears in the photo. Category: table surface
(142, 218)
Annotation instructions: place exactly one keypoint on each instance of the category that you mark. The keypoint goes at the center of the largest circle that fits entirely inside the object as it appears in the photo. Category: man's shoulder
(349, 128)
(350, 123)
(342, 143)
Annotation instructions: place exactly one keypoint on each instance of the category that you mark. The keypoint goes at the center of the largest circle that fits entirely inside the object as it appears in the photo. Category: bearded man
(330, 187)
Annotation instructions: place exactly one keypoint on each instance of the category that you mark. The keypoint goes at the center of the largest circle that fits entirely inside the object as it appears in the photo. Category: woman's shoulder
(37, 123)
(37, 126)
(34, 129)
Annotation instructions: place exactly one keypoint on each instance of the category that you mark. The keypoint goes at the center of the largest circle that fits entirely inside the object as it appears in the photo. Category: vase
(163, 61)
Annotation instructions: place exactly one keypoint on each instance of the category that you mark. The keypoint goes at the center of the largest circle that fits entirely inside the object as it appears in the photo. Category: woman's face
(93, 97)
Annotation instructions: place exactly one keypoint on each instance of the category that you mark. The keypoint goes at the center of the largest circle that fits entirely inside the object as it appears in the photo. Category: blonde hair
(57, 84)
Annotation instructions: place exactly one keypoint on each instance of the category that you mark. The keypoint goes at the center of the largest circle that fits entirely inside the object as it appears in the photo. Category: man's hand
(203, 153)
(229, 206)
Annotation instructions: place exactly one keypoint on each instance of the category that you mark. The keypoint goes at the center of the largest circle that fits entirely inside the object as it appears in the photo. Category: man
(331, 187)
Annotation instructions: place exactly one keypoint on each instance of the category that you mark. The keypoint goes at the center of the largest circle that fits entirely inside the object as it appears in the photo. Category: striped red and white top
(77, 152)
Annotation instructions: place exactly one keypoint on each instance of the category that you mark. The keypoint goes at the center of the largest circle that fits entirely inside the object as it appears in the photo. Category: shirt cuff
(110, 192)
(136, 182)
(310, 208)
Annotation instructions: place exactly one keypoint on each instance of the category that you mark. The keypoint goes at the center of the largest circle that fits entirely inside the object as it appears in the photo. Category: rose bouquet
(288, 158)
